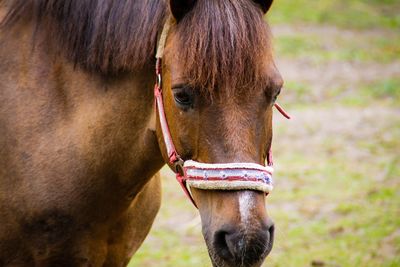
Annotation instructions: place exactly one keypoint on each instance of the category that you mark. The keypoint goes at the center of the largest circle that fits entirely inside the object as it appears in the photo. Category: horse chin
(216, 263)
(219, 262)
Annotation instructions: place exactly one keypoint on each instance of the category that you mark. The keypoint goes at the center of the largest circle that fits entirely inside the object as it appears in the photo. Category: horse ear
(265, 4)
(179, 8)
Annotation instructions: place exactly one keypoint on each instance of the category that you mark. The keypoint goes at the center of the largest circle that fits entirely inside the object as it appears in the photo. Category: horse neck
(61, 107)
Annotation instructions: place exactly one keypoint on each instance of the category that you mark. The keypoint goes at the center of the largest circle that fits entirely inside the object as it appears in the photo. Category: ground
(336, 201)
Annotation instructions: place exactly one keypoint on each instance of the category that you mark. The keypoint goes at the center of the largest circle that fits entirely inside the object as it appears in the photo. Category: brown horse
(78, 153)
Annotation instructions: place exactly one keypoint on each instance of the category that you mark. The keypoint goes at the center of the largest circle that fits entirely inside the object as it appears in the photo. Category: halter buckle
(159, 80)
(178, 166)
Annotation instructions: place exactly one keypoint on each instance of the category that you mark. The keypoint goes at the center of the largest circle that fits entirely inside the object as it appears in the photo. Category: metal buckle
(159, 79)
(178, 167)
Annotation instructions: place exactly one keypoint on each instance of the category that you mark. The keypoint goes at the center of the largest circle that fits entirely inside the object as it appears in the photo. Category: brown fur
(76, 157)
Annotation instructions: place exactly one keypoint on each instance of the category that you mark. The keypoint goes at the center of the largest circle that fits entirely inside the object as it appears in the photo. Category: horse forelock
(101, 35)
(224, 46)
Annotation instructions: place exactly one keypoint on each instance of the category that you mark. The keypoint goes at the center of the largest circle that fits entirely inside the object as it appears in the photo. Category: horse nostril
(271, 229)
(271, 232)
(221, 244)
(229, 244)
(236, 244)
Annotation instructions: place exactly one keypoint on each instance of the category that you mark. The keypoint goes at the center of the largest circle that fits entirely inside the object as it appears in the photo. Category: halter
(226, 176)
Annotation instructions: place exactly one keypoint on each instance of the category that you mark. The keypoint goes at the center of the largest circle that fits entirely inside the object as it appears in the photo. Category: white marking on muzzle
(246, 205)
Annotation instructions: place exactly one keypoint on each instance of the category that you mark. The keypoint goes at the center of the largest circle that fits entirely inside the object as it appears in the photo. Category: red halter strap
(173, 156)
(174, 159)
(282, 111)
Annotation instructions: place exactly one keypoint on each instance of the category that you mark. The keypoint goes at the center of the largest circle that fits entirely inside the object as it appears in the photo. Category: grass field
(336, 201)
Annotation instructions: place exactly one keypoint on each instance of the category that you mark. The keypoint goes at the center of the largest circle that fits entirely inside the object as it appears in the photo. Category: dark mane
(224, 45)
(107, 36)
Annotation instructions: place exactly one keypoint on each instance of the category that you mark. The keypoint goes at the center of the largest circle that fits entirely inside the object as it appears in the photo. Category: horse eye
(184, 97)
(276, 94)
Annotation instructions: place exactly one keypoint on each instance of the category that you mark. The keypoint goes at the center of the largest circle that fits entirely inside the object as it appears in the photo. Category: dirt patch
(318, 129)
(333, 74)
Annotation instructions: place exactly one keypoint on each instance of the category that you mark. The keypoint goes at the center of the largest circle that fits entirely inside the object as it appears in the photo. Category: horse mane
(222, 43)
(101, 35)
(225, 46)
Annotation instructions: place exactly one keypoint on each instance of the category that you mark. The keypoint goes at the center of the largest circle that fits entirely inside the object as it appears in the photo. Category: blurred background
(336, 200)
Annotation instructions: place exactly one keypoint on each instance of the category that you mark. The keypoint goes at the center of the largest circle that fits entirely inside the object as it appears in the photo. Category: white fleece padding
(230, 185)
(228, 174)
(199, 165)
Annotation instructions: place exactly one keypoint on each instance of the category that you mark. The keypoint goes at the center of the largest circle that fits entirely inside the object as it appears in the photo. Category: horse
(82, 139)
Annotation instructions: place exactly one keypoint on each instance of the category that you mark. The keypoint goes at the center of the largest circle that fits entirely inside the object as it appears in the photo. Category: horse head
(219, 84)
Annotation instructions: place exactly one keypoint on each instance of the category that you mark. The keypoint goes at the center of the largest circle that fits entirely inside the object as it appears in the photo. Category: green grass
(342, 214)
(316, 47)
(385, 89)
(359, 14)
